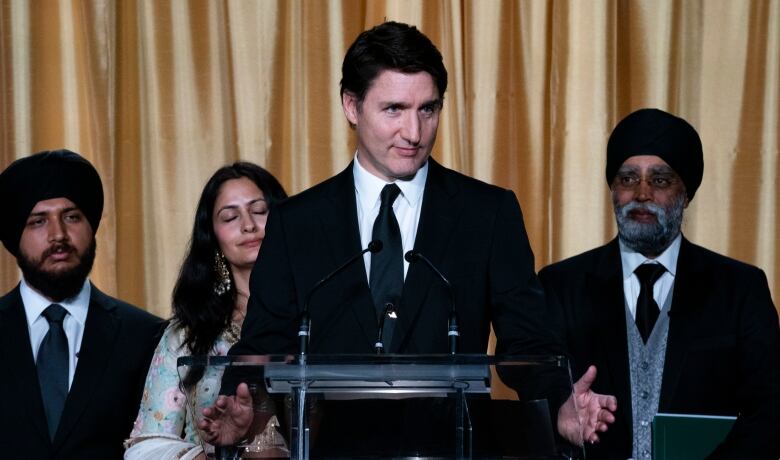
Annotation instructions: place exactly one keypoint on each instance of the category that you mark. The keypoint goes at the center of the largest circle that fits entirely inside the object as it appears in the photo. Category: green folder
(686, 436)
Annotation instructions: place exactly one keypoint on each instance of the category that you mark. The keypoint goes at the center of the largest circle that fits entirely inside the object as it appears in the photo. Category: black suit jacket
(116, 349)
(723, 349)
(473, 232)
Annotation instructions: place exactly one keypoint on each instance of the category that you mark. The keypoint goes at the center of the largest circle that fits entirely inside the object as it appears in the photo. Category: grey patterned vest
(646, 365)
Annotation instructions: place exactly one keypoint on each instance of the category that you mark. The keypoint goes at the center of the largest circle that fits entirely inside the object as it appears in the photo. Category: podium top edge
(373, 359)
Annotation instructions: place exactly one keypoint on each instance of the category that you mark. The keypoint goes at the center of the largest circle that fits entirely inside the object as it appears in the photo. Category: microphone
(305, 326)
(389, 310)
(452, 322)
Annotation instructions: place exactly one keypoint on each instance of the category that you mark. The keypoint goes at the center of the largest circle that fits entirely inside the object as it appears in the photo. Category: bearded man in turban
(75, 358)
(670, 326)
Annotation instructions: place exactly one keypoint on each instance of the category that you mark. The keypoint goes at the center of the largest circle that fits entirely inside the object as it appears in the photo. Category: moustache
(644, 207)
(56, 248)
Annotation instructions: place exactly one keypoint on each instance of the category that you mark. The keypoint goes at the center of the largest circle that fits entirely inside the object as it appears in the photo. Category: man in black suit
(392, 89)
(75, 358)
(671, 326)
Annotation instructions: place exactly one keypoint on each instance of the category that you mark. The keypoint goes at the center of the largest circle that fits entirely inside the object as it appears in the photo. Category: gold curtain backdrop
(158, 94)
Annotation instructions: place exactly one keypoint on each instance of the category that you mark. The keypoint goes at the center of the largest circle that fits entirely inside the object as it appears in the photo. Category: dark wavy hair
(390, 46)
(196, 307)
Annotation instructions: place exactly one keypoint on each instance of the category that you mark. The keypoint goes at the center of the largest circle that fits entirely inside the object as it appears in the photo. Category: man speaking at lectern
(392, 92)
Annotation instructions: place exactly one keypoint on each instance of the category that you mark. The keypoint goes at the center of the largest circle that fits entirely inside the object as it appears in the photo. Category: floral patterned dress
(165, 426)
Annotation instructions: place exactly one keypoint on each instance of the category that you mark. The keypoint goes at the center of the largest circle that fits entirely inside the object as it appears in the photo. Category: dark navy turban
(655, 132)
(43, 176)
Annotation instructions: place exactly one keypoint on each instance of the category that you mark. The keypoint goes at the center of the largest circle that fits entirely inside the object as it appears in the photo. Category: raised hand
(586, 413)
(229, 419)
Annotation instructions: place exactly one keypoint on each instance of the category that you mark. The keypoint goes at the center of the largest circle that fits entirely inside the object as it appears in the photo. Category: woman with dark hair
(209, 305)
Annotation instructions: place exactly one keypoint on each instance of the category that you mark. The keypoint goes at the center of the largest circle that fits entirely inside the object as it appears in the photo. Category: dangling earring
(223, 283)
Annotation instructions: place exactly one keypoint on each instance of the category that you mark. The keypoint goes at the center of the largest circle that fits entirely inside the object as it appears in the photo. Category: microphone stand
(453, 332)
(304, 329)
(299, 438)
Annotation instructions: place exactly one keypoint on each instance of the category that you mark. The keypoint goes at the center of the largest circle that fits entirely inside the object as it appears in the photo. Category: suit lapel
(608, 301)
(689, 285)
(97, 345)
(18, 356)
(437, 221)
(340, 225)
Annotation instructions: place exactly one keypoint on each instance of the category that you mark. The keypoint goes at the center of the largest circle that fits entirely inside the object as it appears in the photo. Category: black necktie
(387, 266)
(52, 363)
(646, 308)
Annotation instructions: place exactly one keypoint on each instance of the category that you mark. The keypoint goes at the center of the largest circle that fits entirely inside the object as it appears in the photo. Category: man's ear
(349, 103)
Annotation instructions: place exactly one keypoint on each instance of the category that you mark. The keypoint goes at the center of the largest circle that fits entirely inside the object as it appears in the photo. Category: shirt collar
(35, 303)
(369, 186)
(632, 259)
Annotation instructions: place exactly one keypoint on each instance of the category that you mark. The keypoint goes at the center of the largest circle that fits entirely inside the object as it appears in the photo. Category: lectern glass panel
(387, 406)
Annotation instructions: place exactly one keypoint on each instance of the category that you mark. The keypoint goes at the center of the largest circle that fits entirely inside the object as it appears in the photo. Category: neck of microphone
(379, 346)
(305, 324)
(452, 322)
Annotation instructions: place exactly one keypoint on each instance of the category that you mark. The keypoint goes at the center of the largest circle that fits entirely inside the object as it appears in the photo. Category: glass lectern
(390, 406)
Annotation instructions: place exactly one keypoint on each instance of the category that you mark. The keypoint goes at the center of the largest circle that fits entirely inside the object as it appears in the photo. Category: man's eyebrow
(390, 103)
(628, 169)
(662, 169)
(657, 169)
(405, 105)
(64, 210)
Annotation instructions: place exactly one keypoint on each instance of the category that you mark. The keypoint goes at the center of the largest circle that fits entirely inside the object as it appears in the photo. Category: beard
(57, 285)
(650, 239)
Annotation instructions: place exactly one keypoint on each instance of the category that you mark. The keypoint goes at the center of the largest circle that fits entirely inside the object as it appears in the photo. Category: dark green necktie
(52, 363)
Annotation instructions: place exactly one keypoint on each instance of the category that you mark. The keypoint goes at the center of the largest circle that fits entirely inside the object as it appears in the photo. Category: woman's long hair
(196, 307)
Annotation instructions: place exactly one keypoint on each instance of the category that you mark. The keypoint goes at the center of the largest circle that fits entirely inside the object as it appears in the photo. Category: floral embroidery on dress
(166, 419)
(164, 408)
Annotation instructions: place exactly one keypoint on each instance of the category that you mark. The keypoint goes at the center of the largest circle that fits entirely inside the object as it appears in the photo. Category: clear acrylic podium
(455, 390)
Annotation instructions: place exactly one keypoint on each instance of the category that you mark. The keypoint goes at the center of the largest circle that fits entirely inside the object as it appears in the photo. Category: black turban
(655, 132)
(43, 176)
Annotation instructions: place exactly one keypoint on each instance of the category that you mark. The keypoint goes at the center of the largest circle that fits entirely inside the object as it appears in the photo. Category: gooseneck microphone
(305, 325)
(389, 310)
(453, 333)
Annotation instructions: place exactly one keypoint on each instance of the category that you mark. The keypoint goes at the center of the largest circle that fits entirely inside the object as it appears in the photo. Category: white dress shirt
(406, 207)
(73, 324)
(631, 260)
